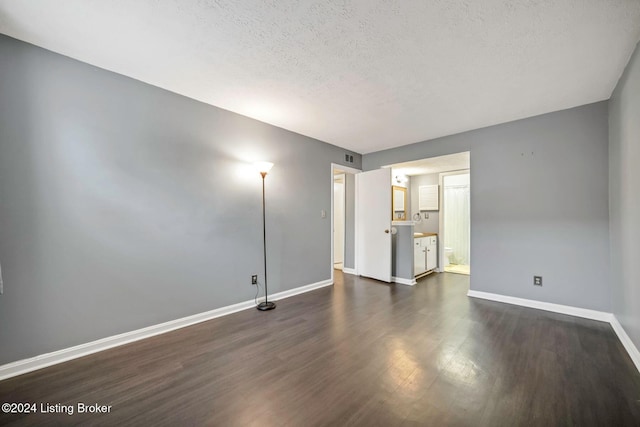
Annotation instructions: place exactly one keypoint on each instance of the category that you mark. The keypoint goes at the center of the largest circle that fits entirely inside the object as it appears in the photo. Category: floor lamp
(264, 168)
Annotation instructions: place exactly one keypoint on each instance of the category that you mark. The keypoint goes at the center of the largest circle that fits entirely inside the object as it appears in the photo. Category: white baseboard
(349, 270)
(547, 306)
(401, 281)
(42, 361)
(38, 362)
(300, 290)
(626, 341)
(602, 316)
(426, 273)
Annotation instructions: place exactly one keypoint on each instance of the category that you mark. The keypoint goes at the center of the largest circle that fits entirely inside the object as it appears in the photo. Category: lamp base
(264, 306)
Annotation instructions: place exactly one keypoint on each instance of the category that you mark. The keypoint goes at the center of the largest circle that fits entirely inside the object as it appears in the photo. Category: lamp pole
(266, 305)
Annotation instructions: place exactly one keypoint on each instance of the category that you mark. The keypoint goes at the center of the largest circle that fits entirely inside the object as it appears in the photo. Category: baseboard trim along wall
(42, 361)
(547, 306)
(634, 354)
(601, 316)
(401, 281)
(38, 362)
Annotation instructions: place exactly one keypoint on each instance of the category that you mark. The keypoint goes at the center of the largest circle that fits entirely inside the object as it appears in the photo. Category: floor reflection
(402, 363)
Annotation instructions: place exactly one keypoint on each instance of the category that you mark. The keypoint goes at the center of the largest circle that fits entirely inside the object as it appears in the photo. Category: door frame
(342, 176)
(353, 171)
(441, 245)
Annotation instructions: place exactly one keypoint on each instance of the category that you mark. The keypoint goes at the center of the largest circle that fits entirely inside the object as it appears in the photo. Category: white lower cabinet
(425, 254)
(432, 252)
(419, 257)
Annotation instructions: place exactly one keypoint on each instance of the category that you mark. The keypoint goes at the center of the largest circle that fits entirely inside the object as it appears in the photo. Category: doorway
(456, 222)
(338, 220)
(343, 219)
(426, 207)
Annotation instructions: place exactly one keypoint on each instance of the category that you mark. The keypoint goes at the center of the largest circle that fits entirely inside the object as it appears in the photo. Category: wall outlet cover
(537, 280)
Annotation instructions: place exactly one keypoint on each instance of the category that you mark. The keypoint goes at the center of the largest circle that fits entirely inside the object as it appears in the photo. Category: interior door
(373, 241)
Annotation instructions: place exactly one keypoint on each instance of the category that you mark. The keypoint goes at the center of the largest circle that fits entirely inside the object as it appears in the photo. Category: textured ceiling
(365, 75)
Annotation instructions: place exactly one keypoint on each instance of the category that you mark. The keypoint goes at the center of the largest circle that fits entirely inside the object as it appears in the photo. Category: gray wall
(539, 204)
(624, 198)
(402, 252)
(123, 205)
(430, 225)
(350, 220)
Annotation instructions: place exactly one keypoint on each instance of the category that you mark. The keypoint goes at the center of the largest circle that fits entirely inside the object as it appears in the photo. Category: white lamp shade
(263, 167)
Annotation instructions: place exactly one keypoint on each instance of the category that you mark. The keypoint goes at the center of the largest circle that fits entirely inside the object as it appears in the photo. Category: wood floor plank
(359, 353)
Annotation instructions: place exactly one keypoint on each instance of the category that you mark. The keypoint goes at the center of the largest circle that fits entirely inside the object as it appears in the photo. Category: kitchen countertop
(416, 235)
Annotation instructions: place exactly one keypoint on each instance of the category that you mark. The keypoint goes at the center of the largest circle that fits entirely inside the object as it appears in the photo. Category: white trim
(349, 270)
(601, 316)
(547, 306)
(300, 290)
(331, 214)
(441, 223)
(425, 273)
(344, 168)
(42, 361)
(333, 217)
(401, 281)
(634, 354)
(403, 222)
(356, 209)
(353, 171)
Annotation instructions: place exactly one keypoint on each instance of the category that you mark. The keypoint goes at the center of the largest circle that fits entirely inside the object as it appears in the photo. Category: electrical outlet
(254, 279)
(537, 280)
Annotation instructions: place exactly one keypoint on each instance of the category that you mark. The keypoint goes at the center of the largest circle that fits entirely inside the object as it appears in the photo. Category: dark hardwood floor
(358, 353)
